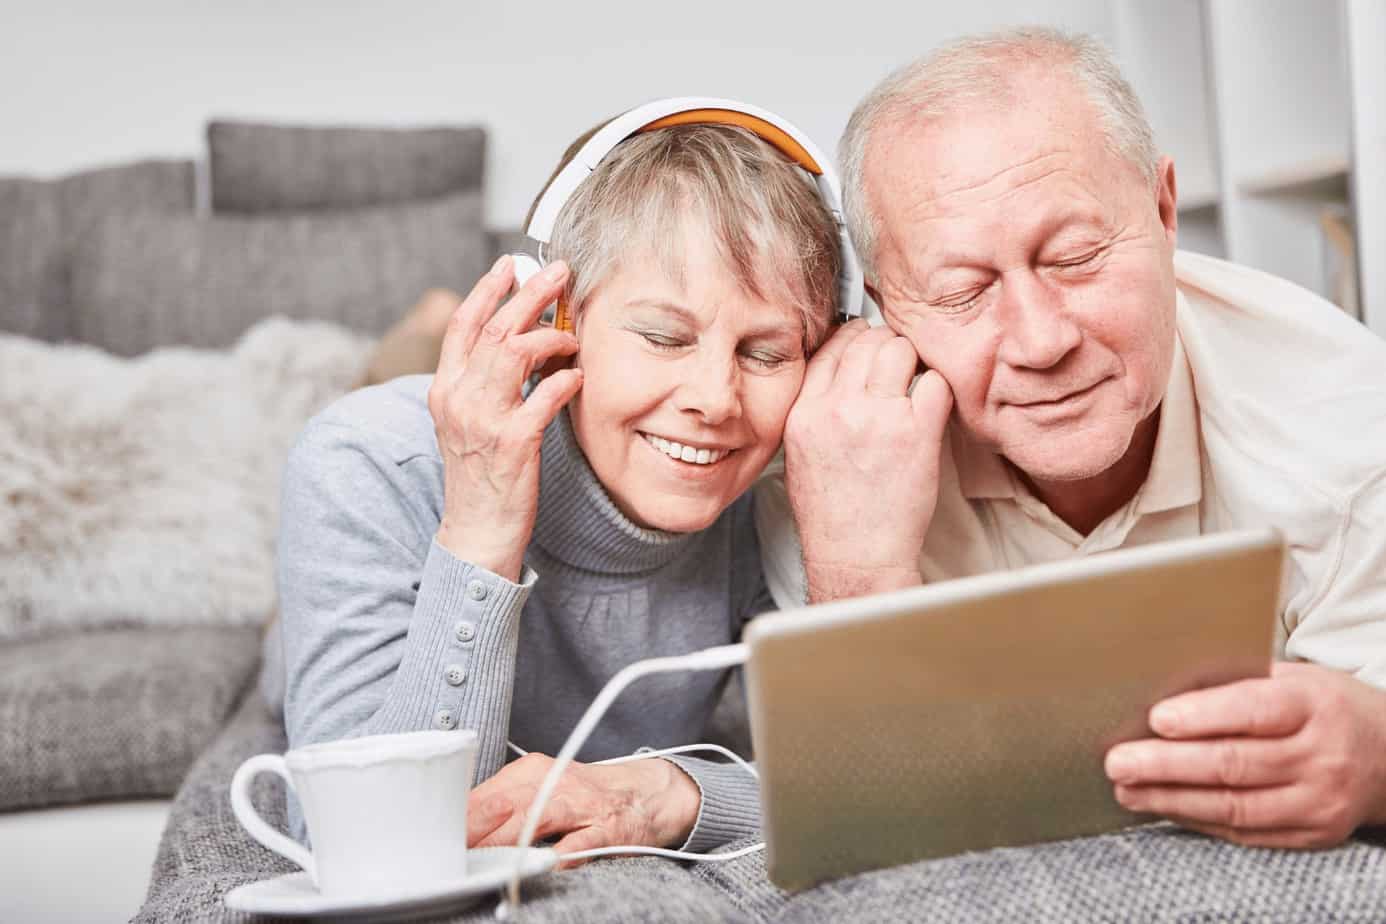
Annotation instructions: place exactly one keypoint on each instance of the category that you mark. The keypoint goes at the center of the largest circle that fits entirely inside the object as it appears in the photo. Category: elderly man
(1091, 389)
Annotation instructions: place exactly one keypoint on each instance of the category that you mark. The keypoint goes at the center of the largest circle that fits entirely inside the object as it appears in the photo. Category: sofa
(125, 705)
(277, 272)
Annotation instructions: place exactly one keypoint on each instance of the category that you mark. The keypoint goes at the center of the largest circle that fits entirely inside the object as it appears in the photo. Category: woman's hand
(488, 435)
(646, 802)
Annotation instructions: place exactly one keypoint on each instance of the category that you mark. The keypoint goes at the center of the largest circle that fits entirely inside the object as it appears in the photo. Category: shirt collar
(1175, 478)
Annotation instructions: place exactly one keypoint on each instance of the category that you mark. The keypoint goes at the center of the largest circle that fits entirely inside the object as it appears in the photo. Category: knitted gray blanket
(1155, 873)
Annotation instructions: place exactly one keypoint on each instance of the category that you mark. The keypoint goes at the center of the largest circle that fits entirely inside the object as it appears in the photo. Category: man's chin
(1078, 458)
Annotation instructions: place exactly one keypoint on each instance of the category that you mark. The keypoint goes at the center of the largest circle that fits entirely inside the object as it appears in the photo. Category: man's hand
(1294, 760)
(648, 802)
(861, 456)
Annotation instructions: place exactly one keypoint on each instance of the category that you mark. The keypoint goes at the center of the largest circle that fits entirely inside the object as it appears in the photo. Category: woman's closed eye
(764, 360)
(662, 341)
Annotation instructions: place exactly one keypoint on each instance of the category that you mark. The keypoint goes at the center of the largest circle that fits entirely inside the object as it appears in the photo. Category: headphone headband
(691, 110)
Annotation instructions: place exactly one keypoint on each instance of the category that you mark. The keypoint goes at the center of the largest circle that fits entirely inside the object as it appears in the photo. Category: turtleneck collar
(578, 523)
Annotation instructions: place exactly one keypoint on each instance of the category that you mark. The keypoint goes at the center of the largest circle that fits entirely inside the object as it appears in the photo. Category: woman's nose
(712, 390)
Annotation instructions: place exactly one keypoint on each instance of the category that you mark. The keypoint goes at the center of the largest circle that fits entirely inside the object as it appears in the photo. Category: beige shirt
(1274, 415)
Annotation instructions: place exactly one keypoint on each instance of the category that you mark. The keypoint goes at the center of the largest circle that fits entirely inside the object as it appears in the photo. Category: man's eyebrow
(1047, 229)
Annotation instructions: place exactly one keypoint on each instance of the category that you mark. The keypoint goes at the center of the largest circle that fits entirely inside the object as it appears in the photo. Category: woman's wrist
(680, 800)
(503, 559)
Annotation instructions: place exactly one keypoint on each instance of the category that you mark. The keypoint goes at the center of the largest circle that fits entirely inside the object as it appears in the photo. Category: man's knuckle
(1231, 810)
(1232, 766)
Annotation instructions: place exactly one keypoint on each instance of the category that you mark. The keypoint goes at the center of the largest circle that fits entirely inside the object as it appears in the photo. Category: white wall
(90, 82)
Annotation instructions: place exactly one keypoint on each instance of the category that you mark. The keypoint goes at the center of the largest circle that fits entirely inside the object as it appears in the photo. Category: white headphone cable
(718, 658)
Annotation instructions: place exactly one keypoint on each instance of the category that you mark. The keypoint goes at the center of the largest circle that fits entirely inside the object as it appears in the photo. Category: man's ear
(1167, 199)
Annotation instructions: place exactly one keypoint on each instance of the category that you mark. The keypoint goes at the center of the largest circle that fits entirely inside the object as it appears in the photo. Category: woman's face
(697, 369)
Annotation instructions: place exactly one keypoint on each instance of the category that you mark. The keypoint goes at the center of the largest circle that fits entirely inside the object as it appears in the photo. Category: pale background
(1268, 106)
(91, 82)
(1275, 112)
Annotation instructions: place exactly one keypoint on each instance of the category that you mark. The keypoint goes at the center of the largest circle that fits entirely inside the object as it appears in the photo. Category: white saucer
(293, 894)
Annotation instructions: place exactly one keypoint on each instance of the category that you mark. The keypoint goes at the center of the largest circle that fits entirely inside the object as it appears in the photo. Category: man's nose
(712, 389)
(1037, 332)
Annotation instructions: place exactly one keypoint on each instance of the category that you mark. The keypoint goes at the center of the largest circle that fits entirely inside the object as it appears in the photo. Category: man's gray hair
(983, 70)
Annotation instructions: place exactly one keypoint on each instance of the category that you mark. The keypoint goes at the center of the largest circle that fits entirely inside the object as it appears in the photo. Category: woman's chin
(672, 514)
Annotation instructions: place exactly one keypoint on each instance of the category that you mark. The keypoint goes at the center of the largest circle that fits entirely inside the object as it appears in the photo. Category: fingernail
(1120, 766)
(1164, 718)
(499, 266)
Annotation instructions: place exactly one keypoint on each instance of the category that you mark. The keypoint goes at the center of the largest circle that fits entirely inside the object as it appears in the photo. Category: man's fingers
(1228, 762)
(475, 310)
(932, 402)
(1264, 808)
(822, 367)
(525, 306)
(857, 363)
(1262, 708)
(1284, 838)
(893, 370)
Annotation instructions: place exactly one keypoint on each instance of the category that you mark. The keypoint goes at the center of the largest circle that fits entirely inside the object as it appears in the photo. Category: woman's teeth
(685, 453)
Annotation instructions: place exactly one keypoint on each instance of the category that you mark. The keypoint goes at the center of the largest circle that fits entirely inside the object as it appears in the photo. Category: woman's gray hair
(763, 212)
(982, 70)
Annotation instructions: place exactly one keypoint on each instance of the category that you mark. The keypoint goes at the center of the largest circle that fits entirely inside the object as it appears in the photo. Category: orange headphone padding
(563, 317)
(776, 137)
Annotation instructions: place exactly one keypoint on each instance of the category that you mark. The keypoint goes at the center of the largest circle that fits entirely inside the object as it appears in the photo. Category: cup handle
(250, 819)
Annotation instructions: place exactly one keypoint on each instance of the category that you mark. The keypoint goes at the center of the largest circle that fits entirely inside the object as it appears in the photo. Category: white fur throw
(145, 491)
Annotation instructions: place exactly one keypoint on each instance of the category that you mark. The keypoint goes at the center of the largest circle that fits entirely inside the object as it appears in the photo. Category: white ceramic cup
(386, 814)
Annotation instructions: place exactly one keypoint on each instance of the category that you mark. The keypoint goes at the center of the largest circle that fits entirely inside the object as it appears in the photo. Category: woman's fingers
(522, 311)
(475, 310)
(581, 839)
(547, 398)
(512, 360)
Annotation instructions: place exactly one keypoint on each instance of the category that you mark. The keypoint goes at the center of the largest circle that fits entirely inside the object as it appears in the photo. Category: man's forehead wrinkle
(997, 185)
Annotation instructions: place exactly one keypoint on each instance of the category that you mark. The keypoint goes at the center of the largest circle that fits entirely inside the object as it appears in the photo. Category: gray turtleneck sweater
(383, 630)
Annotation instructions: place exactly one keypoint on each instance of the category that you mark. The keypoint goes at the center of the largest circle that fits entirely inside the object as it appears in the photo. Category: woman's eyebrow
(668, 307)
(761, 332)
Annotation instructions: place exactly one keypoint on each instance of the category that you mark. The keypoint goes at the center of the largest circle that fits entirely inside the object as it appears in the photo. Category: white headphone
(694, 110)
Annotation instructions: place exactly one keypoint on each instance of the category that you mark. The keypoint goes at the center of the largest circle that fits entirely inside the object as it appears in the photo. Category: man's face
(1033, 269)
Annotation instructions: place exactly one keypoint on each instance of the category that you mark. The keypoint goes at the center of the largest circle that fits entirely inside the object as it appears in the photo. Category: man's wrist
(831, 581)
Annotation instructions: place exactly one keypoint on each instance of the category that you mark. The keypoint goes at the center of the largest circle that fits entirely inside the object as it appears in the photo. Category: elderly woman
(468, 551)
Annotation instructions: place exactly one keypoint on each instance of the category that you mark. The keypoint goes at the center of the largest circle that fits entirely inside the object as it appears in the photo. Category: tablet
(976, 713)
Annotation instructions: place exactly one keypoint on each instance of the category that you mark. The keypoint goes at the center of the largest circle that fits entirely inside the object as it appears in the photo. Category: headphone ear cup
(526, 268)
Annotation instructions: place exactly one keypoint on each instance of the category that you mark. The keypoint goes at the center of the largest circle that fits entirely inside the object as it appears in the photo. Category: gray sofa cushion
(39, 220)
(268, 168)
(115, 714)
(154, 280)
(205, 853)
